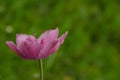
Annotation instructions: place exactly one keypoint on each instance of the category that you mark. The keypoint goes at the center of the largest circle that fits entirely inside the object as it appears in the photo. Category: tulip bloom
(30, 48)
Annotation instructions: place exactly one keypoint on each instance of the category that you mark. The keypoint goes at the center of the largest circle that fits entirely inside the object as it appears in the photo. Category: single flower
(28, 47)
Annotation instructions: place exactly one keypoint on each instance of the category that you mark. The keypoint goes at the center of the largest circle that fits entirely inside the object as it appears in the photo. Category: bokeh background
(90, 52)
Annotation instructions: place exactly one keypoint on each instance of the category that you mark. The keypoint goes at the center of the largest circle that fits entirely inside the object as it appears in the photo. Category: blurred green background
(91, 51)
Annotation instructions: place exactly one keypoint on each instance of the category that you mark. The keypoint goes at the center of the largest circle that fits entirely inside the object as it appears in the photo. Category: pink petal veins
(49, 35)
(31, 39)
(20, 38)
(61, 39)
(46, 49)
(30, 49)
(12, 46)
(57, 45)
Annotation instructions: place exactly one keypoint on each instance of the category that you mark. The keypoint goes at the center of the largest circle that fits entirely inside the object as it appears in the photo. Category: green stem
(41, 69)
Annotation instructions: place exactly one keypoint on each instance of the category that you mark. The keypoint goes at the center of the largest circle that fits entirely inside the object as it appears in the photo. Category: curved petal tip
(61, 39)
(12, 46)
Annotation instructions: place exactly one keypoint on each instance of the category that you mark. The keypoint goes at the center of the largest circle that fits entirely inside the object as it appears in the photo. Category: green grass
(90, 52)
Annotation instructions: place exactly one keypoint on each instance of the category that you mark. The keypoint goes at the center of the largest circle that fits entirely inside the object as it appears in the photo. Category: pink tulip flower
(30, 48)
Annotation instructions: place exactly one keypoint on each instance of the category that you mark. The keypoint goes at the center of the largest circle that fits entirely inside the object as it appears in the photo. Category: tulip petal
(46, 49)
(30, 49)
(31, 38)
(61, 39)
(57, 45)
(49, 35)
(20, 38)
(12, 46)
(52, 47)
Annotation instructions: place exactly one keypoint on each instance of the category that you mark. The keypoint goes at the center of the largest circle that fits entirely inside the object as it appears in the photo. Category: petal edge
(12, 46)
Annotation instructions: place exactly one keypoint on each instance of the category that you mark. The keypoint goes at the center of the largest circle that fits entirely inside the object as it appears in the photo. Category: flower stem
(41, 69)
